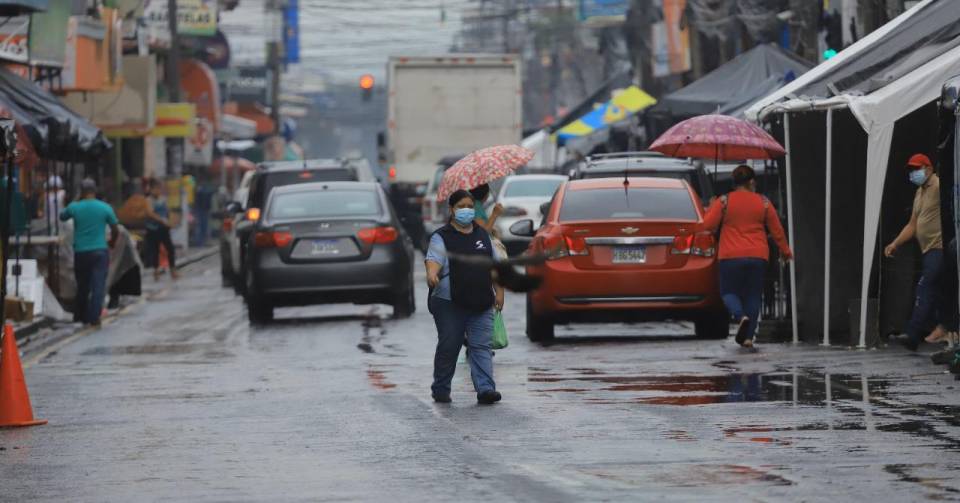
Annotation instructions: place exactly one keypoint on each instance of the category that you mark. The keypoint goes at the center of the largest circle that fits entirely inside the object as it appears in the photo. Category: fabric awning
(624, 104)
(69, 135)
(11, 8)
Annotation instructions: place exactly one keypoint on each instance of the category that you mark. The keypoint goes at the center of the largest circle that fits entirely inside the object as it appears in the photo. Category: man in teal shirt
(91, 256)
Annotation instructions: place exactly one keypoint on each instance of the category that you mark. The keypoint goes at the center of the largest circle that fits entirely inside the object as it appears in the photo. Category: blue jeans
(90, 271)
(928, 297)
(741, 286)
(457, 327)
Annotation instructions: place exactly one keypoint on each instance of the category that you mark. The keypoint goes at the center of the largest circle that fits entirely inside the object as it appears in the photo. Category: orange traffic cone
(15, 409)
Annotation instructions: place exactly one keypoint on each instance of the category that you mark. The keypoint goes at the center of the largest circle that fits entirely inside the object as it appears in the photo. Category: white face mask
(918, 176)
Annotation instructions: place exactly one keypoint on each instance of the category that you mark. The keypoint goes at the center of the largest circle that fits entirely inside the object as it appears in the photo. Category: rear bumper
(571, 294)
(376, 279)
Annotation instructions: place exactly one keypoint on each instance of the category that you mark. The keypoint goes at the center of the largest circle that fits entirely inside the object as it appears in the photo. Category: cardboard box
(17, 309)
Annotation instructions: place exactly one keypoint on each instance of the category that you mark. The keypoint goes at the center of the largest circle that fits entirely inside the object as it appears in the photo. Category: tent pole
(826, 230)
(793, 264)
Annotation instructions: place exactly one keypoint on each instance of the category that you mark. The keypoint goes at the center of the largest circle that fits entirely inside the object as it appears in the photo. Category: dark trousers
(928, 303)
(90, 270)
(457, 327)
(741, 286)
(155, 238)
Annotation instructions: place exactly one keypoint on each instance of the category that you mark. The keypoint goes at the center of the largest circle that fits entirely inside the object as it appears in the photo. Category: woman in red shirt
(744, 219)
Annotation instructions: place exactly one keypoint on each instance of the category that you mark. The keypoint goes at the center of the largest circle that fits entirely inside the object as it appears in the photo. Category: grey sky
(346, 38)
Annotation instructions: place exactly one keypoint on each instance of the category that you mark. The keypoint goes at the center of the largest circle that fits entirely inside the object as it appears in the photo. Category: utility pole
(275, 54)
(555, 70)
(172, 80)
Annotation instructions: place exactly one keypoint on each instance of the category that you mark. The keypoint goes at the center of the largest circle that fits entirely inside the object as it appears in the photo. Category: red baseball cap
(919, 161)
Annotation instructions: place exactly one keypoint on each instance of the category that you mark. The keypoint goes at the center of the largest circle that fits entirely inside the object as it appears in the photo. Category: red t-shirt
(744, 228)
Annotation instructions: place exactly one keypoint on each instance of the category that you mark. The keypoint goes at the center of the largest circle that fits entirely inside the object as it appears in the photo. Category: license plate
(324, 247)
(629, 255)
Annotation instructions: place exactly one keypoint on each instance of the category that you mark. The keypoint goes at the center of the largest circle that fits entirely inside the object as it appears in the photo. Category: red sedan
(624, 250)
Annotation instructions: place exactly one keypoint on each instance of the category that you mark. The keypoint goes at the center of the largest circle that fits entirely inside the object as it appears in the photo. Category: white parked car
(229, 244)
(521, 197)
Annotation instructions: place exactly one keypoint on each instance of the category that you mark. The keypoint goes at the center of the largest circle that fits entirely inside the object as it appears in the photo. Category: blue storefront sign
(291, 32)
(603, 10)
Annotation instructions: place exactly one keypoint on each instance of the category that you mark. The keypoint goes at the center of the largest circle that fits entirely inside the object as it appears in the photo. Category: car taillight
(378, 235)
(682, 244)
(227, 224)
(704, 245)
(269, 239)
(576, 246)
(556, 247)
(253, 214)
(513, 211)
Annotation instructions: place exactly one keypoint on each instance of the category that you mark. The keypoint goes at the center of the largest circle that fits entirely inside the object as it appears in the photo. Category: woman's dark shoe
(943, 357)
(742, 330)
(489, 397)
(905, 341)
(441, 398)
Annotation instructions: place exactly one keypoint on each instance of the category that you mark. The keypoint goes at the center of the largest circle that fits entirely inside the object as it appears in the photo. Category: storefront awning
(624, 104)
(10, 8)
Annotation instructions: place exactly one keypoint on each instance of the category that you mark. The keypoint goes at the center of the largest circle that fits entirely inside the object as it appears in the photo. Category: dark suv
(270, 175)
(647, 164)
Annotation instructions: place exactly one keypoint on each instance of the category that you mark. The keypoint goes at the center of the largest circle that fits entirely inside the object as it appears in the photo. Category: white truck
(445, 105)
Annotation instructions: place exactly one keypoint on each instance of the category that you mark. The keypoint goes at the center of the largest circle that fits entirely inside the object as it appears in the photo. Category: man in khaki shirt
(924, 225)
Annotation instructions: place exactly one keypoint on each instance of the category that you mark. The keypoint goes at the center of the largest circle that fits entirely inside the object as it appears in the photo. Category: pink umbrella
(483, 166)
(720, 137)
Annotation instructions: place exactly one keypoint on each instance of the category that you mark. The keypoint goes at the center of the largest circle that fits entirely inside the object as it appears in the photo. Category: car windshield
(543, 188)
(676, 175)
(632, 204)
(324, 204)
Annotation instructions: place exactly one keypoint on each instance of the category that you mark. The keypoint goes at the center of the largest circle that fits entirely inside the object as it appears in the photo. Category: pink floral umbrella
(483, 166)
(720, 137)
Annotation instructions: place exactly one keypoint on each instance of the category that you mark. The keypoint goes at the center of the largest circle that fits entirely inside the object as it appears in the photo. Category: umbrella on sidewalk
(483, 166)
(721, 137)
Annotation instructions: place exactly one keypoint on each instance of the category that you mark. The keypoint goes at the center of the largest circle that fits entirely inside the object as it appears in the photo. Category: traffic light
(366, 86)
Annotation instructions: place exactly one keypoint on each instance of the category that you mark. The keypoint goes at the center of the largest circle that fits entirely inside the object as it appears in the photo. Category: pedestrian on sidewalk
(91, 256)
(924, 226)
(158, 231)
(462, 300)
(745, 218)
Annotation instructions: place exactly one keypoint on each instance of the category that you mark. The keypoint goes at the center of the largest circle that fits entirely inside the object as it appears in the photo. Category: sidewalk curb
(198, 256)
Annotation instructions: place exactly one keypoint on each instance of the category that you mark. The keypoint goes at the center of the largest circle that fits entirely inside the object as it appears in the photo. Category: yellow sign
(175, 120)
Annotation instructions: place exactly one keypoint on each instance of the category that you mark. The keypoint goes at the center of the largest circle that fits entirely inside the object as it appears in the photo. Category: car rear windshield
(324, 204)
(532, 188)
(270, 180)
(631, 204)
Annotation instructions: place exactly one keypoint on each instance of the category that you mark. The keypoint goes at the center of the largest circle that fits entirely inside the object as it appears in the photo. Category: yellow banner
(175, 120)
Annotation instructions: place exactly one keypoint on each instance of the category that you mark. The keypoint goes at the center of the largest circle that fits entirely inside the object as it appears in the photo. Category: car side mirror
(233, 208)
(523, 228)
(545, 208)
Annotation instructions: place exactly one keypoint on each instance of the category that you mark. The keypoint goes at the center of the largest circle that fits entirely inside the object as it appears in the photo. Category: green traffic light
(829, 53)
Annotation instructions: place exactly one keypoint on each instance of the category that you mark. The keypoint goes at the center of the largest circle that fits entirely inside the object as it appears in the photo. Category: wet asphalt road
(180, 400)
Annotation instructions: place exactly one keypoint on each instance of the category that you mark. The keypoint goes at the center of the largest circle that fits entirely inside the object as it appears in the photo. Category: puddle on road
(689, 389)
(685, 475)
(149, 349)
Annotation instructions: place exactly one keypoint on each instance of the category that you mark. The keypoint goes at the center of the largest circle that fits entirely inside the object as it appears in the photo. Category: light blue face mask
(464, 216)
(918, 176)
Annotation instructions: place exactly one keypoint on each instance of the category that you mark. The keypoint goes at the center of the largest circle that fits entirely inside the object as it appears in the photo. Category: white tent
(877, 110)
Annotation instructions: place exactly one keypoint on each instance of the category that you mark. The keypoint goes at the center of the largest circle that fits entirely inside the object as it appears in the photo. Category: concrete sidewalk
(42, 335)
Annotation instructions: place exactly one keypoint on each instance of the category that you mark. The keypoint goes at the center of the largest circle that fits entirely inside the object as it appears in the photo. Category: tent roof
(880, 59)
(736, 84)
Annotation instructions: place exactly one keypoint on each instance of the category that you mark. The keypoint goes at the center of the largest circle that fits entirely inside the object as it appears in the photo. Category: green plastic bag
(499, 332)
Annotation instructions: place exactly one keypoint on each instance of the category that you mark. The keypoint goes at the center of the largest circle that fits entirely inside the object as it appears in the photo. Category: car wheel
(539, 329)
(259, 309)
(259, 312)
(405, 303)
(715, 325)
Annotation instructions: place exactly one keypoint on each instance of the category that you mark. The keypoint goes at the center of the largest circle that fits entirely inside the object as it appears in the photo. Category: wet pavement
(179, 399)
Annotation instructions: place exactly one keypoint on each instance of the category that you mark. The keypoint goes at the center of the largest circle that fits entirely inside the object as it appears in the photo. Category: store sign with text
(196, 18)
(14, 35)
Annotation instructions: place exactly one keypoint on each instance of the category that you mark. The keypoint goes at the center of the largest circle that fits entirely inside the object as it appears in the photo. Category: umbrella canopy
(482, 166)
(626, 103)
(718, 137)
